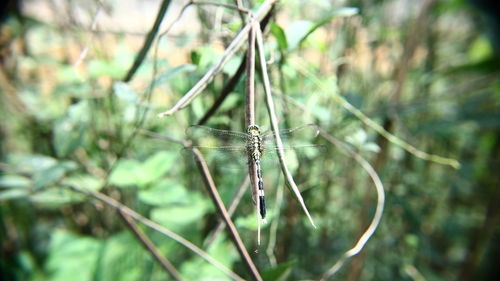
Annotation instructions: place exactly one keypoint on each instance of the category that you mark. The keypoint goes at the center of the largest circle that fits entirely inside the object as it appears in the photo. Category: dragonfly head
(253, 130)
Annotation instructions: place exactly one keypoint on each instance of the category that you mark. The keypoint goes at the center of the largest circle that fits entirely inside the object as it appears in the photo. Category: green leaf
(115, 67)
(371, 147)
(100, 67)
(195, 57)
(280, 36)
(10, 194)
(178, 215)
(164, 193)
(121, 258)
(68, 137)
(78, 113)
(230, 102)
(250, 221)
(231, 66)
(156, 166)
(84, 181)
(171, 73)
(55, 198)
(125, 173)
(52, 174)
(131, 172)
(14, 181)
(69, 133)
(411, 240)
(480, 50)
(69, 74)
(358, 138)
(197, 269)
(208, 56)
(299, 31)
(124, 92)
(72, 257)
(280, 272)
(33, 162)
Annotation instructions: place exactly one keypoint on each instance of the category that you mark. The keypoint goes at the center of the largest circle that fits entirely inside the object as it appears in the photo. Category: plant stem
(231, 228)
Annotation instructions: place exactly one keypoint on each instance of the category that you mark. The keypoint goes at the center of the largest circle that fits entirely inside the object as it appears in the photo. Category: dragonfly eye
(253, 129)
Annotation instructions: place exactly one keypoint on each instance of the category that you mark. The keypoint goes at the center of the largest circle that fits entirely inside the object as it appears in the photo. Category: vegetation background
(74, 115)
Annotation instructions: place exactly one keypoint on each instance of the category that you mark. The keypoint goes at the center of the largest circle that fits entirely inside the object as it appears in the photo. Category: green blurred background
(427, 71)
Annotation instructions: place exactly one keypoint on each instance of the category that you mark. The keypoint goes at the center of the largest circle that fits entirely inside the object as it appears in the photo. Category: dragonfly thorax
(254, 145)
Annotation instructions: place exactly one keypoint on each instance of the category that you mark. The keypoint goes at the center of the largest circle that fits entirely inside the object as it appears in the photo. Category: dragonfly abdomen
(260, 183)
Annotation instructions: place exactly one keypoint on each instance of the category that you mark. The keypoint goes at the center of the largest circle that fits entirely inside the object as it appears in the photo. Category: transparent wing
(228, 159)
(198, 130)
(228, 148)
(305, 133)
(220, 147)
(291, 153)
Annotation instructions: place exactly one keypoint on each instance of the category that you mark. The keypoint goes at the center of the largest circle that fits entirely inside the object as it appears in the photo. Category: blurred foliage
(425, 70)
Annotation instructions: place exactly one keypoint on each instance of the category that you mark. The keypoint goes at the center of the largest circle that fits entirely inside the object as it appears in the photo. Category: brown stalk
(150, 247)
(148, 41)
(229, 52)
(231, 84)
(370, 230)
(400, 75)
(231, 228)
(250, 114)
(219, 204)
(151, 224)
(232, 208)
(274, 125)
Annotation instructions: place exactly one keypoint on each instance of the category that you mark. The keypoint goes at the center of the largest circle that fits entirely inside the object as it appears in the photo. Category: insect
(251, 146)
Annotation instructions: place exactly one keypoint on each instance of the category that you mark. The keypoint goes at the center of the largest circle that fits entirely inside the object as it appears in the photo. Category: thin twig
(229, 52)
(250, 83)
(133, 214)
(229, 87)
(168, 138)
(193, 2)
(231, 228)
(239, 4)
(372, 124)
(229, 6)
(378, 212)
(148, 244)
(212, 190)
(93, 26)
(271, 245)
(147, 45)
(274, 125)
(232, 208)
(140, 118)
(250, 117)
(380, 196)
(149, 40)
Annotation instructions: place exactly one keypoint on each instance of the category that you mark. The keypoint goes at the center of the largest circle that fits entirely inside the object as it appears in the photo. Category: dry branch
(231, 84)
(149, 41)
(232, 208)
(378, 212)
(231, 49)
(150, 247)
(274, 124)
(231, 228)
(151, 224)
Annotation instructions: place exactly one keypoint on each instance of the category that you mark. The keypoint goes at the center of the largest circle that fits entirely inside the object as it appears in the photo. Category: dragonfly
(253, 144)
